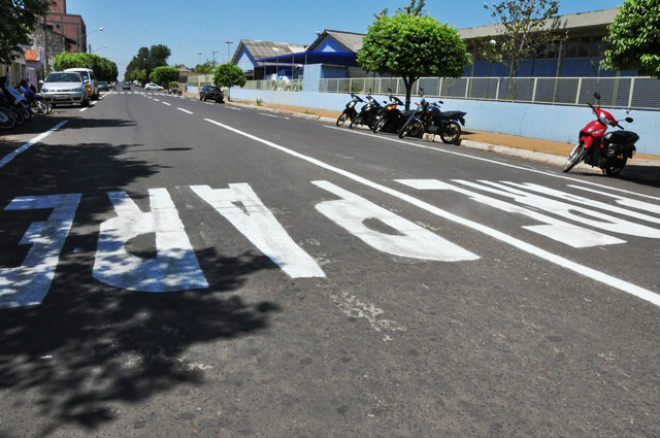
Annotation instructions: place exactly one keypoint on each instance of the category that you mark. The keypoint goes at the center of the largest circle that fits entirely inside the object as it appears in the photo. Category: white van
(90, 79)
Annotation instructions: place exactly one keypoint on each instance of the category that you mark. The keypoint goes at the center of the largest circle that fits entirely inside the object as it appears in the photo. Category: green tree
(104, 69)
(147, 59)
(18, 19)
(164, 75)
(413, 46)
(228, 75)
(204, 69)
(524, 29)
(634, 38)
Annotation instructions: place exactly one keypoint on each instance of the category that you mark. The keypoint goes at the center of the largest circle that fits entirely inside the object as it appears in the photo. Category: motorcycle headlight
(604, 120)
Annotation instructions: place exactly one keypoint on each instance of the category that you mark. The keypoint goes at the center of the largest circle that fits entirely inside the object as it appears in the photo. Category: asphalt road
(173, 268)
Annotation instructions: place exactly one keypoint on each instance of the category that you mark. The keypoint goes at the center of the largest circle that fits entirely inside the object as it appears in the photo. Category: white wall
(547, 122)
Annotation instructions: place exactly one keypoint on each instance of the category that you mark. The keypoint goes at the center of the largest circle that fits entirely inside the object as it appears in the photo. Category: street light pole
(229, 43)
(214, 52)
(100, 29)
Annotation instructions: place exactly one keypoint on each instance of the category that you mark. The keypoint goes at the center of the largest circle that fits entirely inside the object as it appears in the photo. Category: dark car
(126, 86)
(210, 92)
(104, 86)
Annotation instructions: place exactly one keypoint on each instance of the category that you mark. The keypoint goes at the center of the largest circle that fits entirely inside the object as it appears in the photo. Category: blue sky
(203, 26)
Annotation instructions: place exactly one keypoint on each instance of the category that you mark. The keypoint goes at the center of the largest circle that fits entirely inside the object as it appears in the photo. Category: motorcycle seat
(620, 137)
(452, 114)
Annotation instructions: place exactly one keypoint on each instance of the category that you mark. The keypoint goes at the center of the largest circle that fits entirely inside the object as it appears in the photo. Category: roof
(582, 20)
(352, 41)
(264, 49)
(31, 55)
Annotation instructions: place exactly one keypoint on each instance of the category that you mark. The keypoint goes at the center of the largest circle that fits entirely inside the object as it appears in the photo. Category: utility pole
(46, 66)
(229, 43)
(214, 52)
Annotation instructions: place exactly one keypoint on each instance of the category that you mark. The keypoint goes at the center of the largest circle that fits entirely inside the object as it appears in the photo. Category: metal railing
(616, 92)
(275, 85)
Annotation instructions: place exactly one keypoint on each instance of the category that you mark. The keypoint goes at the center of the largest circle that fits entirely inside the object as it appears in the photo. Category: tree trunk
(408, 81)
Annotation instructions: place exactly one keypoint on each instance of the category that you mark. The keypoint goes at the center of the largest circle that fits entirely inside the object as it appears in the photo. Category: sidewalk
(642, 168)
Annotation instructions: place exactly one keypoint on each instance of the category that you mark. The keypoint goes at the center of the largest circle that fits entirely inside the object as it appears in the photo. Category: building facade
(70, 25)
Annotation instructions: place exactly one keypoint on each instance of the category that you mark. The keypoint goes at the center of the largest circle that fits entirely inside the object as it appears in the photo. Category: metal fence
(275, 85)
(616, 92)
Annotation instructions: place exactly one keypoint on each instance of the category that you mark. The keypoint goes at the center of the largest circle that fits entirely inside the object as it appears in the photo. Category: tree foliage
(524, 28)
(18, 19)
(104, 69)
(146, 60)
(413, 46)
(634, 38)
(228, 75)
(164, 75)
(204, 69)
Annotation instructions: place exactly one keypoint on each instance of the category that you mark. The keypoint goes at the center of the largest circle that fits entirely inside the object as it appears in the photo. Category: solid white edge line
(499, 163)
(30, 143)
(577, 268)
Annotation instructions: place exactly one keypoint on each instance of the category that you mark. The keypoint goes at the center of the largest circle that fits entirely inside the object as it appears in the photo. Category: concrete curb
(555, 160)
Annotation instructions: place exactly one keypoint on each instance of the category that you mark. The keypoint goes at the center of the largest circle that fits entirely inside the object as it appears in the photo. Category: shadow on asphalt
(89, 346)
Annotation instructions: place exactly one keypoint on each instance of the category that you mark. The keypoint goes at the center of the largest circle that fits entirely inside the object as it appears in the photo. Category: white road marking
(234, 109)
(165, 103)
(7, 158)
(499, 163)
(28, 284)
(175, 266)
(185, 111)
(351, 212)
(82, 110)
(563, 262)
(241, 206)
(560, 231)
(156, 100)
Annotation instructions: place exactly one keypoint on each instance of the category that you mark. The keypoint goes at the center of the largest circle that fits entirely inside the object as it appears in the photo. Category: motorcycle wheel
(38, 108)
(357, 120)
(451, 133)
(342, 118)
(380, 124)
(18, 114)
(406, 129)
(618, 166)
(7, 119)
(578, 153)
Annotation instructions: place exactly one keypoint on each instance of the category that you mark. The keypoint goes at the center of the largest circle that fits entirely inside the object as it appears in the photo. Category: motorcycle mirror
(389, 89)
(629, 119)
(597, 95)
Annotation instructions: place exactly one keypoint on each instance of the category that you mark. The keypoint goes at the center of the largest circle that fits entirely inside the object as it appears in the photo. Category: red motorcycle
(609, 151)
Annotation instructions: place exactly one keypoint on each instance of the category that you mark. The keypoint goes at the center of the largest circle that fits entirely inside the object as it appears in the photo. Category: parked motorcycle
(367, 115)
(36, 103)
(391, 118)
(349, 112)
(609, 151)
(430, 119)
(15, 100)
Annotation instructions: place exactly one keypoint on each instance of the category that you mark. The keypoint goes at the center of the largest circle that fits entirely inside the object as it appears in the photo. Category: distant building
(70, 25)
(249, 52)
(579, 55)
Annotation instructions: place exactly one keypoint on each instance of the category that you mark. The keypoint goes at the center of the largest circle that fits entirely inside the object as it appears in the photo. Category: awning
(335, 58)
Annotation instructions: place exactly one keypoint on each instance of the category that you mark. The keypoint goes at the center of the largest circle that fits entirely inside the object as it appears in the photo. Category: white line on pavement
(165, 103)
(185, 110)
(570, 265)
(232, 108)
(30, 143)
(499, 163)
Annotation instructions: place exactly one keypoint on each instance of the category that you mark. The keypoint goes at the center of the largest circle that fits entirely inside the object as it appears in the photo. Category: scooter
(608, 151)
(367, 115)
(391, 118)
(349, 112)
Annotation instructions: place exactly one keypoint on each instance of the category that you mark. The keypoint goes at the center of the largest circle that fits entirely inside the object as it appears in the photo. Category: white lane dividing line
(7, 158)
(156, 100)
(585, 271)
(234, 109)
(165, 103)
(499, 163)
(185, 111)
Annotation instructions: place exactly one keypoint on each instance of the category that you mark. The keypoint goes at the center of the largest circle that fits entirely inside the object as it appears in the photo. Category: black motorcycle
(367, 115)
(349, 112)
(430, 119)
(391, 118)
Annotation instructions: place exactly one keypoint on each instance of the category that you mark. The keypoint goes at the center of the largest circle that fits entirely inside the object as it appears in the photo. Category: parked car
(152, 86)
(103, 86)
(65, 87)
(89, 78)
(126, 86)
(210, 92)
